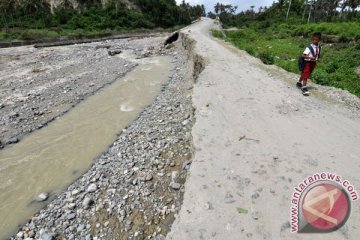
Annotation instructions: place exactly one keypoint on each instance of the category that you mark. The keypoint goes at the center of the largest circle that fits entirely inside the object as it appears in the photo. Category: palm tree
(31, 6)
(305, 6)
(311, 5)
(287, 14)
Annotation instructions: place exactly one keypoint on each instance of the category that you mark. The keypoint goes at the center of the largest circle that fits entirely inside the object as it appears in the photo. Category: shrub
(33, 34)
(217, 34)
(267, 58)
(250, 51)
(344, 38)
(321, 78)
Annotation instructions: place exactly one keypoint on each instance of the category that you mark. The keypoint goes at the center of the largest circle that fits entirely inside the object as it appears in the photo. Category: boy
(311, 55)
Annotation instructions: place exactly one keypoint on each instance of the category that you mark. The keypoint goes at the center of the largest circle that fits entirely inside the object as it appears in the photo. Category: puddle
(50, 159)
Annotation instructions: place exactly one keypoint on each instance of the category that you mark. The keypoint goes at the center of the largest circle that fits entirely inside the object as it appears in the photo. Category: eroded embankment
(197, 63)
(135, 189)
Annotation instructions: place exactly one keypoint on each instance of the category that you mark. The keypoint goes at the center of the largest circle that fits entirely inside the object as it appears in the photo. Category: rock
(160, 237)
(114, 52)
(209, 206)
(174, 175)
(134, 181)
(185, 122)
(92, 188)
(42, 197)
(255, 195)
(71, 205)
(13, 140)
(47, 236)
(175, 186)
(74, 192)
(71, 216)
(147, 192)
(148, 177)
(80, 227)
(87, 202)
(50, 223)
(255, 215)
(186, 165)
(31, 234)
(20, 234)
(229, 198)
(145, 53)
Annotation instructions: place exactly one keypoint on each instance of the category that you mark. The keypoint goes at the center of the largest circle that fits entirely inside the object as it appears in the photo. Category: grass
(282, 48)
(345, 30)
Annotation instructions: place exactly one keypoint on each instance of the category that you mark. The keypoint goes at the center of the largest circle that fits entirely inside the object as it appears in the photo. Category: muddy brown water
(46, 160)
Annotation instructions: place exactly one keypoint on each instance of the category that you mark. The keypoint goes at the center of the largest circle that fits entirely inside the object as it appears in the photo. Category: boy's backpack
(302, 61)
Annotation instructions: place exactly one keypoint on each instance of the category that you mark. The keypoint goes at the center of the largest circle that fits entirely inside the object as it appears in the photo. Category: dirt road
(256, 138)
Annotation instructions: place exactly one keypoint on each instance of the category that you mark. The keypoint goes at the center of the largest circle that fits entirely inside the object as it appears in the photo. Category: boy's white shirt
(308, 53)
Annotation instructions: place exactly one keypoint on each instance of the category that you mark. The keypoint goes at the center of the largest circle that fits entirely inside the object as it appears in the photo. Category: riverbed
(146, 163)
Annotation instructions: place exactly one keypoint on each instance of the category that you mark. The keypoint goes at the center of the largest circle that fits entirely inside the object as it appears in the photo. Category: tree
(6, 7)
(287, 13)
(281, 4)
(164, 13)
(225, 12)
(353, 4)
(211, 15)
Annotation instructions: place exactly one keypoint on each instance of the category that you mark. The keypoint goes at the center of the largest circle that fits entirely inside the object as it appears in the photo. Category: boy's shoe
(299, 84)
(305, 91)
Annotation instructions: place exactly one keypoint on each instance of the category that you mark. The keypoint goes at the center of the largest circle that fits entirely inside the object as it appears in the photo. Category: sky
(242, 4)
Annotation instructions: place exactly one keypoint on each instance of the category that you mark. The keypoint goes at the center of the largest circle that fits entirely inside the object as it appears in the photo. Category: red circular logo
(326, 207)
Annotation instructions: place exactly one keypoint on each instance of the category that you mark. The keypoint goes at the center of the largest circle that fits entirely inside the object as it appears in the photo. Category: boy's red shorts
(308, 68)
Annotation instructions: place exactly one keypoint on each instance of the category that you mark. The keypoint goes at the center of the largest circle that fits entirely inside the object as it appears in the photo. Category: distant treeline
(289, 11)
(91, 15)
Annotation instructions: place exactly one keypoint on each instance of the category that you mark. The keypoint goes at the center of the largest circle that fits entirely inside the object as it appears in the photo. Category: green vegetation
(279, 34)
(33, 19)
(337, 66)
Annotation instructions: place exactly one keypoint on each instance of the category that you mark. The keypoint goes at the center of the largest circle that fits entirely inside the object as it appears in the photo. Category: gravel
(37, 85)
(135, 189)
